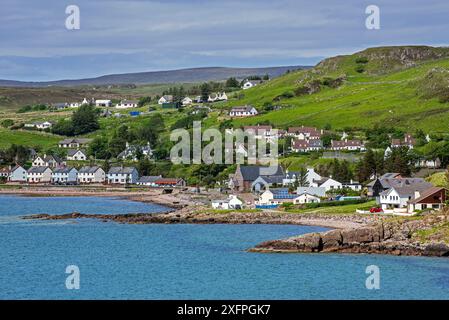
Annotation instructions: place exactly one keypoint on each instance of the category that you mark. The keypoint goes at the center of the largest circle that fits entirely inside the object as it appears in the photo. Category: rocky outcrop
(382, 238)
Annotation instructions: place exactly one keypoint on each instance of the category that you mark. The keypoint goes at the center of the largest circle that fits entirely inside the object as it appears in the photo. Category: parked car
(375, 210)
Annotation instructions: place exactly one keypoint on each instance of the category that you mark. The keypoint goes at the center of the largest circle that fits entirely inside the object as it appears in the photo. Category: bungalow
(123, 175)
(76, 155)
(349, 145)
(327, 183)
(170, 182)
(93, 174)
(74, 143)
(244, 177)
(60, 105)
(243, 111)
(126, 104)
(64, 175)
(353, 185)
(432, 198)
(165, 99)
(148, 181)
(306, 145)
(39, 125)
(39, 175)
(51, 161)
(18, 174)
(214, 97)
(319, 192)
(103, 103)
(305, 197)
(275, 196)
(231, 203)
(251, 83)
(186, 101)
(78, 104)
(131, 152)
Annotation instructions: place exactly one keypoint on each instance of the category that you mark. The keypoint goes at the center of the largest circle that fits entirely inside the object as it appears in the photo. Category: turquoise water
(185, 261)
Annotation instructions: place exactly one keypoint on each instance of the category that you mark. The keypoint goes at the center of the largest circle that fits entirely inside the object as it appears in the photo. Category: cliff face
(390, 237)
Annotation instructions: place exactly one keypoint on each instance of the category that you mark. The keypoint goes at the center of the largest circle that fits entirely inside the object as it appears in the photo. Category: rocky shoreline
(385, 237)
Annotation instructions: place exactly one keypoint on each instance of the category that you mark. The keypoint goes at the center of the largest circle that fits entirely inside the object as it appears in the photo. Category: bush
(360, 69)
(361, 60)
(7, 123)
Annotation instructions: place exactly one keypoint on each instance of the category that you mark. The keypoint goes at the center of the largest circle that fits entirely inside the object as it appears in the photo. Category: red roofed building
(170, 182)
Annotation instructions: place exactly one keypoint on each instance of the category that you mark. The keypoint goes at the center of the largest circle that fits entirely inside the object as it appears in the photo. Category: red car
(375, 210)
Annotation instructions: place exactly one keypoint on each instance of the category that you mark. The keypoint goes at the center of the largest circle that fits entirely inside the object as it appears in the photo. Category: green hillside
(407, 87)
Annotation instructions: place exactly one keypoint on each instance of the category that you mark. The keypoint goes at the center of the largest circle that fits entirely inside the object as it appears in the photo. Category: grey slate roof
(121, 170)
(149, 179)
(72, 152)
(314, 191)
(251, 173)
(63, 170)
(88, 169)
(38, 169)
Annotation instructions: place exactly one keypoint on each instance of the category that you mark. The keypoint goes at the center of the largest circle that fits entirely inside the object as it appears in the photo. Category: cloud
(155, 35)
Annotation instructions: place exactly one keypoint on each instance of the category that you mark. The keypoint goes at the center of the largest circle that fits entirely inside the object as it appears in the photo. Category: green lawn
(27, 138)
(347, 209)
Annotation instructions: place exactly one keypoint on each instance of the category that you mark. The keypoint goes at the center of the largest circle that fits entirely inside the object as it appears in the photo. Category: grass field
(27, 138)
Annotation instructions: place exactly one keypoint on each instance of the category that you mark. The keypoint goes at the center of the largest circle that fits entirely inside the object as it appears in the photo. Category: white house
(397, 197)
(327, 183)
(165, 99)
(243, 111)
(64, 175)
(186, 101)
(123, 175)
(149, 181)
(353, 185)
(251, 83)
(39, 175)
(306, 198)
(267, 198)
(76, 155)
(130, 152)
(48, 161)
(231, 203)
(18, 174)
(349, 145)
(221, 96)
(93, 174)
(103, 103)
(39, 125)
(127, 104)
(314, 191)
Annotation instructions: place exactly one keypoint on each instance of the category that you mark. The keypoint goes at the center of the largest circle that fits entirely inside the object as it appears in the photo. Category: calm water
(184, 261)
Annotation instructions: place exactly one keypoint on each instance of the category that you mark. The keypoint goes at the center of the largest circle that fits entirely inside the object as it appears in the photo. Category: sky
(121, 36)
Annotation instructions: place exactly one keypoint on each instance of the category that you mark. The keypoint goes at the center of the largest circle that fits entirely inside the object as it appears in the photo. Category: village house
(76, 155)
(226, 204)
(78, 104)
(170, 182)
(353, 185)
(39, 125)
(319, 192)
(165, 99)
(94, 174)
(74, 143)
(243, 111)
(149, 181)
(51, 161)
(214, 97)
(39, 175)
(348, 145)
(306, 145)
(59, 105)
(327, 183)
(396, 198)
(389, 180)
(131, 152)
(186, 101)
(275, 196)
(305, 197)
(64, 175)
(262, 132)
(305, 133)
(408, 141)
(127, 104)
(429, 163)
(103, 103)
(18, 174)
(292, 176)
(432, 198)
(251, 83)
(123, 175)
(244, 177)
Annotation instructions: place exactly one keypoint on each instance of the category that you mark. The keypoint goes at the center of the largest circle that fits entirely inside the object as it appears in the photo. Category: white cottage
(65, 175)
(231, 203)
(123, 175)
(76, 155)
(39, 175)
(93, 174)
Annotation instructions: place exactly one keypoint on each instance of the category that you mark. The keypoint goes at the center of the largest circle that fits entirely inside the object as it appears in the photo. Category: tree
(232, 83)
(64, 128)
(144, 166)
(99, 148)
(106, 166)
(205, 91)
(400, 160)
(144, 101)
(302, 177)
(85, 120)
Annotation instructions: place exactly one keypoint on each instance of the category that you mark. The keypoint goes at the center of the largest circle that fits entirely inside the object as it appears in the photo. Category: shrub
(7, 123)
(361, 60)
(360, 69)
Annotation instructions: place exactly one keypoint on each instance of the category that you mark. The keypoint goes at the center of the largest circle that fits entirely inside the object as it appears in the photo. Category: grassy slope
(362, 101)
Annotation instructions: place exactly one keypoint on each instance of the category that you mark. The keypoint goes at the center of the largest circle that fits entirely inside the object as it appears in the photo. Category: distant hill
(400, 86)
(171, 76)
